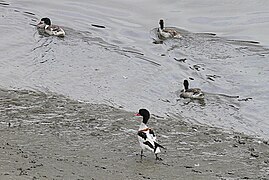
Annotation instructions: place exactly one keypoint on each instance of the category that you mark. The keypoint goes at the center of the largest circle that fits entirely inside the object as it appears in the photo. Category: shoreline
(58, 138)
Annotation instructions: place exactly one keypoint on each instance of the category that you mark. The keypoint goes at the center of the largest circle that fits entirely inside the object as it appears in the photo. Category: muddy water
(122, 65)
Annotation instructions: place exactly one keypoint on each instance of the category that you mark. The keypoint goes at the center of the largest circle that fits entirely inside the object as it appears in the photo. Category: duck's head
(145, 114)
(161, 22)
(186, 84)
(44, 22)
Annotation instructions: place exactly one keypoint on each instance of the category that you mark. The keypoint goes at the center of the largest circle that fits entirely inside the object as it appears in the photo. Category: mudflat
(49, 136)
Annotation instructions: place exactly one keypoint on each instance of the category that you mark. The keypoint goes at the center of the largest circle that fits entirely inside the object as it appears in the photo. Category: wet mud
(49, 136)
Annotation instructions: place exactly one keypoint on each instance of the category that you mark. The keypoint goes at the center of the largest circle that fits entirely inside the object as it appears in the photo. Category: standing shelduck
(146, 136)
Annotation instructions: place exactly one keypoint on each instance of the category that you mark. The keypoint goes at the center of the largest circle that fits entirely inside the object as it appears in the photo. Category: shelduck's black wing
(142, 135)
(149, 144)
(151, 132)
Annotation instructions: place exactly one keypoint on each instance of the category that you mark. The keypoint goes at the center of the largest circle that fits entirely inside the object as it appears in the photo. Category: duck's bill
(137, 114)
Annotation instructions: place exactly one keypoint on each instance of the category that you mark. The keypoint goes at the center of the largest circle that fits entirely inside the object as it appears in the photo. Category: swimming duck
(193, 93)
(146, 136)
(50, 29)
(164, 33)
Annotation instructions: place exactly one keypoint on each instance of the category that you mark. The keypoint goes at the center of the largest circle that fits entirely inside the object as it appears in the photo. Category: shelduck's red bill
(137, 114)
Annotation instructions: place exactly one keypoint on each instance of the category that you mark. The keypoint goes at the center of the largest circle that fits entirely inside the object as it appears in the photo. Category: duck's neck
(186, 85)
(142, 126)
(161, 26)
(160, 30)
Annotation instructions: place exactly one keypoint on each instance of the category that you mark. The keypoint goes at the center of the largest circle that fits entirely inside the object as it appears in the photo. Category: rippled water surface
(122, 65)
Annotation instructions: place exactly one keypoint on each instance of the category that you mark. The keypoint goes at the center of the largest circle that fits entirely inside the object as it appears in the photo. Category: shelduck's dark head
(43, 22)
(161, 24)
(186, 84)
(145, 114)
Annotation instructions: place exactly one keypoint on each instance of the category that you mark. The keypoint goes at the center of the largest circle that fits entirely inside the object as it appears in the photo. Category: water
(120, 65)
